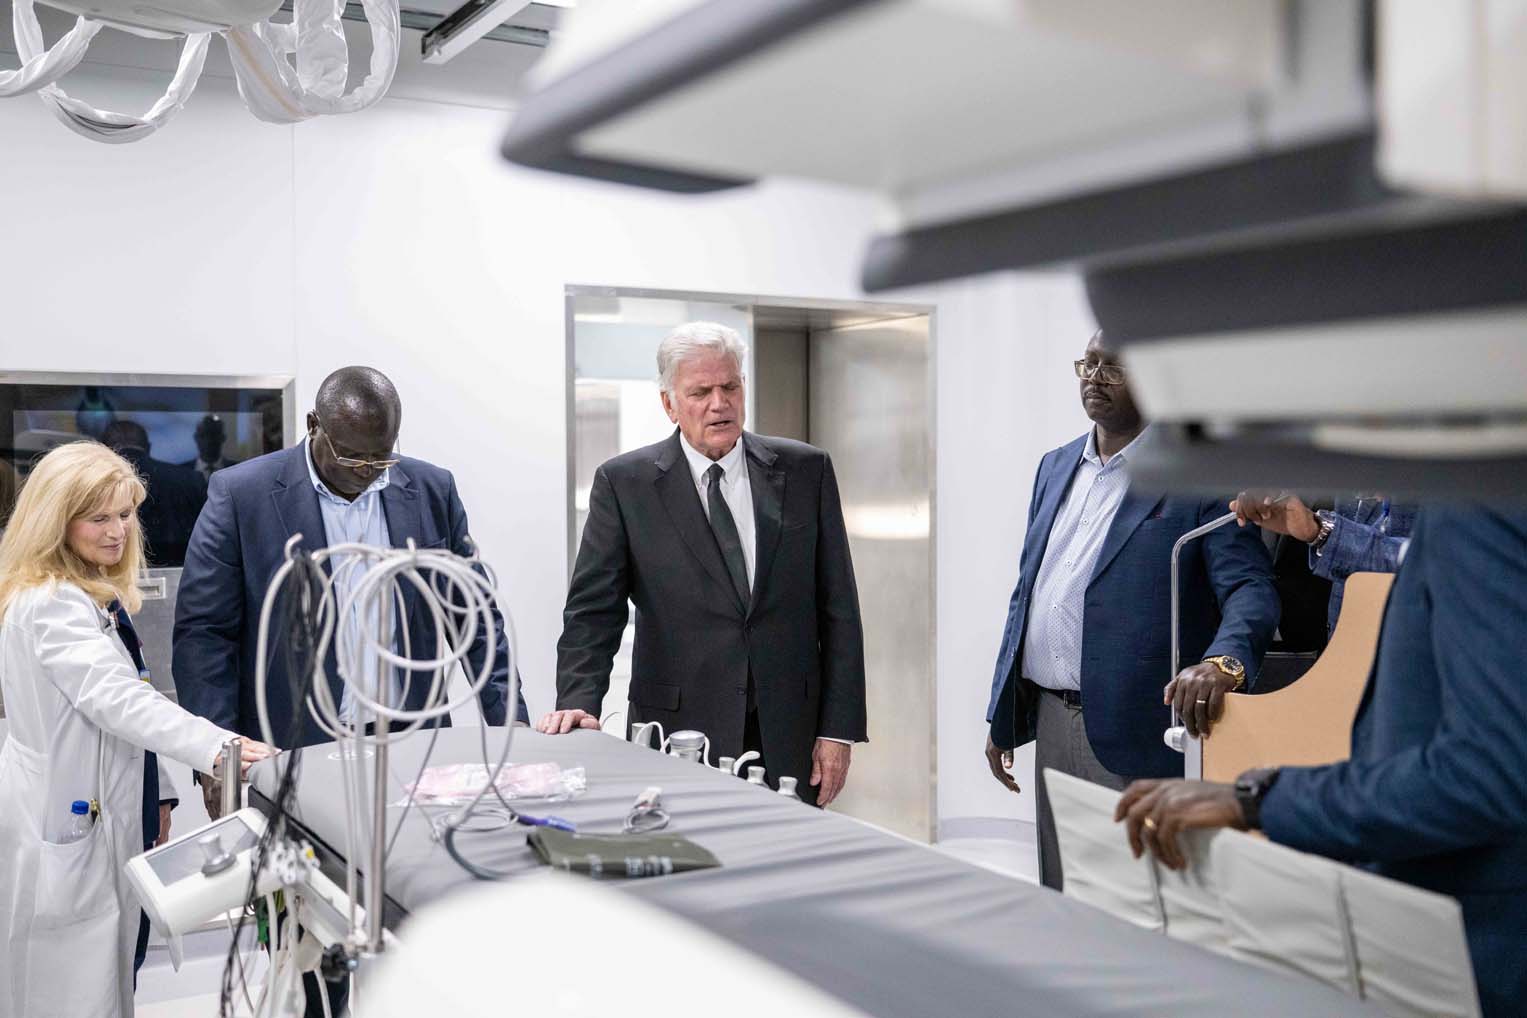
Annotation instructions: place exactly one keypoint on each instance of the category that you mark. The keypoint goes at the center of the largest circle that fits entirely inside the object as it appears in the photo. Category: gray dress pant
(1061, 743)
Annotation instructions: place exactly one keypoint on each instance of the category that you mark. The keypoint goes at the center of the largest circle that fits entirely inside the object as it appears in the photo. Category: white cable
(362, 609)
(243, 976)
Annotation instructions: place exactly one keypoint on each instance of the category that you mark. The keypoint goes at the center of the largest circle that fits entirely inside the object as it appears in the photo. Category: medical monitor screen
(176, 437)
(176, 862)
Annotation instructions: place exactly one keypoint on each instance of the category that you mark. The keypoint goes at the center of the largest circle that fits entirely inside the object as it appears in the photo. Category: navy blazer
(1229, 606)
(235, 550)
(1435, 792)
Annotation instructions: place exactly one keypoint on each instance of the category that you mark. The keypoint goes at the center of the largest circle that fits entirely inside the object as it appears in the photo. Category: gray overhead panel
(658, 58)
(952, 108)
(1302, 219)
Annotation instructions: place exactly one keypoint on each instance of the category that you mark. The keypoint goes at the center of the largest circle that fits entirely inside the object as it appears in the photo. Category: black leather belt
(1070, 697)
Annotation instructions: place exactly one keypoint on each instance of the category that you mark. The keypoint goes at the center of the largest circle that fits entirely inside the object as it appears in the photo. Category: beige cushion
(1284, 909)
(1095, 856)
(1190, 898)
(1412, 957)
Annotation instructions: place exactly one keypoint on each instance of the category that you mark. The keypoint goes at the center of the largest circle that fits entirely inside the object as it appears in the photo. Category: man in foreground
(1435, 792)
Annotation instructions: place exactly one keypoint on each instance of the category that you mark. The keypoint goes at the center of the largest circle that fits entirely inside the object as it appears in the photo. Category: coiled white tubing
(438, 577)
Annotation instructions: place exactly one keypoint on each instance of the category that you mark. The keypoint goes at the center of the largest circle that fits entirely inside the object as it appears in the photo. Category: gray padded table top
(892, 927)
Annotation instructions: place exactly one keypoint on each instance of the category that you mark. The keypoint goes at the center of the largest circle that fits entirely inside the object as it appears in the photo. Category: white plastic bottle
(79, 822)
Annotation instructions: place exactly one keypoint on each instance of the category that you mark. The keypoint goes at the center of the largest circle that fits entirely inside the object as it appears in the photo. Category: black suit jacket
(237, 546)
(647, 539)
(175, 497)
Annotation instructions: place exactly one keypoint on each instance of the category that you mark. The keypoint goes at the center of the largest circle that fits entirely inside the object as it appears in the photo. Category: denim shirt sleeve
(1355, 547)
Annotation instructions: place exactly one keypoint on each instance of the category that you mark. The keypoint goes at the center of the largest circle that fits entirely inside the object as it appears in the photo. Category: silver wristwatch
(1327, 524)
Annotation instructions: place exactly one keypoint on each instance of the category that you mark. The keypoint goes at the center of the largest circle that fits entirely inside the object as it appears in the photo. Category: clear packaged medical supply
(458, 784)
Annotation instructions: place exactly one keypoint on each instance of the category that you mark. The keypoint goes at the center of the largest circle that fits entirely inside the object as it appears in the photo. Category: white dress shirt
(735, 490)
(1052, 646)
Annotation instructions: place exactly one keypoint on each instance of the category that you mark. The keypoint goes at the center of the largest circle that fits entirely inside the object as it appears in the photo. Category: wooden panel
(1310, 721)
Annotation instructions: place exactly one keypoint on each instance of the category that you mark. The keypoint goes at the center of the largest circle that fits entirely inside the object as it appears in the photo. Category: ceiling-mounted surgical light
(285, 72)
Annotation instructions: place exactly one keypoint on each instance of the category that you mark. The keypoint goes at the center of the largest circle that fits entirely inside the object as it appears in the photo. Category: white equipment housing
(169, 19)
(179, 895)
(453, 953)
(171, 883)
(286, 73)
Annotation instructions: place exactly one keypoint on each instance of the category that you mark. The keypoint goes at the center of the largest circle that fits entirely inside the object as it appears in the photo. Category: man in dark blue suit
(1435, 792)
(343, 483)
(1087, 646)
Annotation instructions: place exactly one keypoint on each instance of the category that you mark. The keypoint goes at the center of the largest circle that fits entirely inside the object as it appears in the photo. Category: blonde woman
(80, 718)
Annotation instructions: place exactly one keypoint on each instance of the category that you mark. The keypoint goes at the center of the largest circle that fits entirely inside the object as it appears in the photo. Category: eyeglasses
(1108, 374)
(355, 464)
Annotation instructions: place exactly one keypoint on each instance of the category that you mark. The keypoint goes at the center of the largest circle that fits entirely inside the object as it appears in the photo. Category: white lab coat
(80, 718)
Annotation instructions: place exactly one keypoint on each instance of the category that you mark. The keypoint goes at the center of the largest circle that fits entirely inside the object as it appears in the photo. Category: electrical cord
(358, 611)
(644, 821)
(299, 620)
(243, 976)
(646, 813)
(409, 802)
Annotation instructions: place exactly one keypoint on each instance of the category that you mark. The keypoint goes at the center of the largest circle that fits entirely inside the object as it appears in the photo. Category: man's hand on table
(560, 722)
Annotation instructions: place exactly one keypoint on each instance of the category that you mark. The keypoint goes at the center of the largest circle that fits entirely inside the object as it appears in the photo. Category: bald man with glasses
(344, 483)
(1084, 670)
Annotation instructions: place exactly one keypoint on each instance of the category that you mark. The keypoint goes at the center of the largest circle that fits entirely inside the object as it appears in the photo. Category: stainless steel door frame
(872, 406)
(915, 773)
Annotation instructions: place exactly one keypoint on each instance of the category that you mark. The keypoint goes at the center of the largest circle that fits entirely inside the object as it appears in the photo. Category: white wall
(398, 238)
(1006, 396)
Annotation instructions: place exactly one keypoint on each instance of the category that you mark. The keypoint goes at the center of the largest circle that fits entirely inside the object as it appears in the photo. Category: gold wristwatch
(1231, 667)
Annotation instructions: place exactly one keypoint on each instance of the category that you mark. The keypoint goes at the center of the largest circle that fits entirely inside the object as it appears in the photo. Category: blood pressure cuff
(619, 855)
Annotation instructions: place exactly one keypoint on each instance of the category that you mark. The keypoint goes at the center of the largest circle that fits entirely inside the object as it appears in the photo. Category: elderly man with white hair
(733, 549)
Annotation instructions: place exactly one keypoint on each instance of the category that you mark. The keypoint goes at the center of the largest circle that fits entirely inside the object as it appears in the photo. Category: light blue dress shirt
(358, 522)
(1052, 646)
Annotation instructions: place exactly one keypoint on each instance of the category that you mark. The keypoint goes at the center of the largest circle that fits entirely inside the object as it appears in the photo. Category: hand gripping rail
(1177, 736)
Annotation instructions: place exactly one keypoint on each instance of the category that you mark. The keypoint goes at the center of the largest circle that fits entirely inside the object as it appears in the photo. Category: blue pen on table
(556, 823)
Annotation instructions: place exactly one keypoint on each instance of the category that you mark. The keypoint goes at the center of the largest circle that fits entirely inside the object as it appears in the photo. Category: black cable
(299, 601)
(480, 872)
